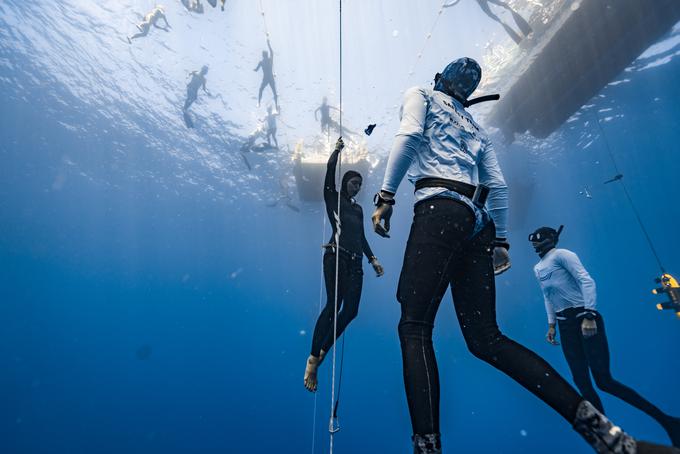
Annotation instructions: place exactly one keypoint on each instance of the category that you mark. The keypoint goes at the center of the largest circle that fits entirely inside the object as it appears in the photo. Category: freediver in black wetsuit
(352, 247)
(267, 65)
(197, 81)
(522, 24)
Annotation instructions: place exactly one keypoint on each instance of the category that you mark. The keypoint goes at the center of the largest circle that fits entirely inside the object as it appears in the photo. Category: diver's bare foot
(310, 372)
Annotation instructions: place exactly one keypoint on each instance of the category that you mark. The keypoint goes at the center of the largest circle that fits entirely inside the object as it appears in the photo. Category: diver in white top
(570, 300)
(458, 241)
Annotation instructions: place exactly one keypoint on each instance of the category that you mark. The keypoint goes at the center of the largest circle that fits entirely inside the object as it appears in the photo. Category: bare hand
(382, 213)
(501, 260)
(377, 267)
(588, 328)
(551, 336)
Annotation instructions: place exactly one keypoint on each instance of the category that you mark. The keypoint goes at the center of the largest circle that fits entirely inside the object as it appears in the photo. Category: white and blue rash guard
(565, 282)
(438, 138)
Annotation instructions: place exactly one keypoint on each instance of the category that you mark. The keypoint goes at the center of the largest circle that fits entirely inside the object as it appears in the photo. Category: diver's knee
(485, 347)
(412, 329)
(350, 313)
(605, 382)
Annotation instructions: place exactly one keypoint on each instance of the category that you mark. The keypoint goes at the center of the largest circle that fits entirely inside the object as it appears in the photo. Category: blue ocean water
(151, 301)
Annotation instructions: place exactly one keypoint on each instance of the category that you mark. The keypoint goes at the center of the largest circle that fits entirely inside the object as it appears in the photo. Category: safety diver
(458, 240)
(570, 298)
(348, 251)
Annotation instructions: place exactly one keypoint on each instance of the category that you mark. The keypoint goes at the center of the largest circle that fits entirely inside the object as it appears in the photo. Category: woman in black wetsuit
(352, 247)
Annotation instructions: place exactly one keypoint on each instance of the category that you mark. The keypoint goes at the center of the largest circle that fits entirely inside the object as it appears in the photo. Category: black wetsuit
(587, 356)
(267, 65)
(353, 246)
(440, 253)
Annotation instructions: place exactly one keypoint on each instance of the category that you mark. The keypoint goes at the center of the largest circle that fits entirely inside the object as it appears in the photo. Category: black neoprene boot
(600, 433)
(427, 444)
(606, 438)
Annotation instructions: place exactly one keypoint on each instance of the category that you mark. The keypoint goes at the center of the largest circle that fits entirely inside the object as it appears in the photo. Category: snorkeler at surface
(570, 300)
(197, 81)
(519, 20)
(267, 65)
(350, 250)
(455, 241)
(150, 19)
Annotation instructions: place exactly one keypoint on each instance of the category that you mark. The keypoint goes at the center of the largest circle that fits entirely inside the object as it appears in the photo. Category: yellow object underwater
(669, 286)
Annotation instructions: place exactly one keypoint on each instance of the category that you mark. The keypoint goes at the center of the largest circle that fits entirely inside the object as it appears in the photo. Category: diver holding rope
(267, 65)
(350, 249)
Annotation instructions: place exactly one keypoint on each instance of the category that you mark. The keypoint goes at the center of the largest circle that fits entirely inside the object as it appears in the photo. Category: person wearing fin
(522, 24)
(197, 81)
(458, 240)
(151, 19)
(347, 245)
(267, 65)
(570, 301)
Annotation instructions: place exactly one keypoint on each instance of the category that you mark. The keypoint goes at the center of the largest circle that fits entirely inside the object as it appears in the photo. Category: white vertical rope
(331, 427)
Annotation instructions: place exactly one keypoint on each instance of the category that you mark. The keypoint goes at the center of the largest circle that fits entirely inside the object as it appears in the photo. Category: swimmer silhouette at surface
(197, 81)
(151, 19)
(267, 65)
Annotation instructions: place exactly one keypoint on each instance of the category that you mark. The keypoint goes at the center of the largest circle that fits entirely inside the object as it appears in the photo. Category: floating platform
(594, 42)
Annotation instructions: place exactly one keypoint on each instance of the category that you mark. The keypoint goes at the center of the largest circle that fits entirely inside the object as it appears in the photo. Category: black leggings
(591, 355)
(350, 280)
(439, 254)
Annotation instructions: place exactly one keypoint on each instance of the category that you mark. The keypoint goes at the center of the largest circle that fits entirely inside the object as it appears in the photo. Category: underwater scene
(310, 226)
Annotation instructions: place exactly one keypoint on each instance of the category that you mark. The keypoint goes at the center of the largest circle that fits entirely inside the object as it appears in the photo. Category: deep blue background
(96, 264)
